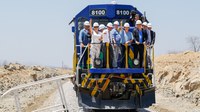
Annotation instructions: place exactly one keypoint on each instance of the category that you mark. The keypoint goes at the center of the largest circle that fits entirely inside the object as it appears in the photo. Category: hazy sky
(37, 31)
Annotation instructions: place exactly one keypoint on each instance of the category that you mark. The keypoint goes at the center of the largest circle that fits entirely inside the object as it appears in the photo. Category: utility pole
(62, 64)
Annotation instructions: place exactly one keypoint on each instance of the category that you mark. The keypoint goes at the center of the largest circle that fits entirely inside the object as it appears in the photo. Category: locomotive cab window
(81, 23)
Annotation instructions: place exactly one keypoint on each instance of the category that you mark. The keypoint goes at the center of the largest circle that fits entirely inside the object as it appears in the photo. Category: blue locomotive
(130, 87)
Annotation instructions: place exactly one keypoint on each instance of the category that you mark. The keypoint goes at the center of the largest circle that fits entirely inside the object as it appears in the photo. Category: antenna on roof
(113, 2)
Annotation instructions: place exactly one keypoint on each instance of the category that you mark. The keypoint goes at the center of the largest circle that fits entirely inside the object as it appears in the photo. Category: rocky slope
(179, 75)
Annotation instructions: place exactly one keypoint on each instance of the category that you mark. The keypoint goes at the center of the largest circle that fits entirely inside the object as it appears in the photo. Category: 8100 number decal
(98, 12)
(122, 12)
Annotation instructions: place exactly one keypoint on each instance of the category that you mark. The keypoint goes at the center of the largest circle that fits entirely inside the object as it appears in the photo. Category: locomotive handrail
(126, 53)
(57, 79)
(79, 61)
(144, 62)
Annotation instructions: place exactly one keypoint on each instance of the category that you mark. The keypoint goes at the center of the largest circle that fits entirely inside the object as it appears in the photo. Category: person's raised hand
(82, 45)
(137, 42)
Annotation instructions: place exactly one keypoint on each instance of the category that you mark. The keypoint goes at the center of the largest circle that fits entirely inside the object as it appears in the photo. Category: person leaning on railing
(150, 43)
(140, 37)
(126, 38)
(116, 46)
(84, 39)
(107, 38)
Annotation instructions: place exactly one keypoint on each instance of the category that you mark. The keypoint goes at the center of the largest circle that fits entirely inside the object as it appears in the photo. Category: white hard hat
(95, 24)
(109, 24)
(113, 2)
(126, 25)
(149, 25)
(138, 22)
(145, 24)
(116, 23)
(86, 23)
(101, 26)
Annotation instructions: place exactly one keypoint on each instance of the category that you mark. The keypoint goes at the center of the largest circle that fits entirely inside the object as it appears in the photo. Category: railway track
(133, 110)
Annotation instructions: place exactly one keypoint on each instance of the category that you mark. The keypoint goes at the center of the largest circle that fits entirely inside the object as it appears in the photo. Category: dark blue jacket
(84, 37)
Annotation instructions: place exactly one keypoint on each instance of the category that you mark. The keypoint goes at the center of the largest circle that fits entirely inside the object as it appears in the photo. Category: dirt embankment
(178, 75)
(16, 74)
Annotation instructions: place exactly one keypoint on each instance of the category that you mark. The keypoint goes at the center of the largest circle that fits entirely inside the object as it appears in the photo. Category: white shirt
(107, 36)
(96, 37)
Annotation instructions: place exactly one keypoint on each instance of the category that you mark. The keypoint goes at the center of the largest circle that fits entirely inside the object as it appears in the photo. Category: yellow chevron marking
(147, 79)
(85, 80)
(91, 83)
(94, 91)
(138, 89)
(133, 81)
(126, 81)
(122, 75)
(131, 54)
(105, 85)
(103, 75)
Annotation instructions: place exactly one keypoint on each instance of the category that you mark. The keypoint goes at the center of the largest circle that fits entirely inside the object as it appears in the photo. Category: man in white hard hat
(144, 28)
(144, 25)
(116, 39)
(107, 35)
(126, 35)
(150, 43)
(84, 40)
(107, 38)
(126, 38)
(151, 34)
(140, 37)
(101, 27)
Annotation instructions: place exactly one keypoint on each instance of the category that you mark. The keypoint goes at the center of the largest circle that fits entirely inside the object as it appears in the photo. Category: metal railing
(126, 54)
(57, 79)
(79, 61)
(147, 53)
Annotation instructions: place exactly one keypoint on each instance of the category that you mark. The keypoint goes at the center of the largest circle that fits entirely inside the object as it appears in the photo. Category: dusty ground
(164, 103)
(177, 79)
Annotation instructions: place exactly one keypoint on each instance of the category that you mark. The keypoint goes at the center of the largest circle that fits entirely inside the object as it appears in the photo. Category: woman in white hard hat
(95, 43)
(126, 38)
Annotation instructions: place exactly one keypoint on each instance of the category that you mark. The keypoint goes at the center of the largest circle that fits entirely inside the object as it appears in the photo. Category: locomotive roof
(110, 8)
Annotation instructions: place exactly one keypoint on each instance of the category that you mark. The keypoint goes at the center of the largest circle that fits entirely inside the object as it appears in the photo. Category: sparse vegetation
(194, 42)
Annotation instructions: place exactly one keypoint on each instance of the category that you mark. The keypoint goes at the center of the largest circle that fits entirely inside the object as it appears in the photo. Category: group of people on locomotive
(117, 36)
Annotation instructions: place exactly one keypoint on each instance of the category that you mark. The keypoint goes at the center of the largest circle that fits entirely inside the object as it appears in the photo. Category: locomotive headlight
(97, 63)
(136, 62)
(83, 75)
